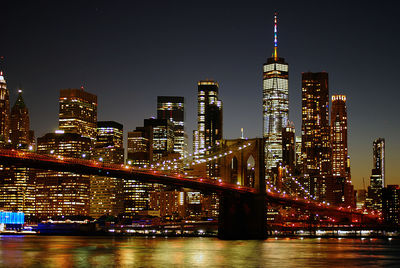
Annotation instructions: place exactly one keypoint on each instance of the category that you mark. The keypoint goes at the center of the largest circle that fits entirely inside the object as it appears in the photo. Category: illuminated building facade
(379, 158)
(106, 194)
(209, 118)
(173, 108)
(316, 145)
(299, 160)
(340, 165)
(109, 143)
(78, 112)
(17, 189)
(391, 204)
(171, 204)
(146, 145)
(17, 184)
(62, 193)
(289, 147)
(275, 104)
(20, 134)
(139, 148)
(4, 111)
(161, 132)
(377, 179)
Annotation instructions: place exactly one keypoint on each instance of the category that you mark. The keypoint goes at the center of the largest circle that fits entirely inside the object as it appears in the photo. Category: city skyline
(363, 129)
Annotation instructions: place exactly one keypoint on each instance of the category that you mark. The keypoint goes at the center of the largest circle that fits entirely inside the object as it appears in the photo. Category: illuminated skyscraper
(162, 137)
(316, 146)
(340, 165)
(109, 143)
(20, 135)
(78, 112)
(299, 160)
(4, 111)
(139, 148)
(146, 145)
(377, 179)
(379, 158)
(106, 194)
(289, 147)
(275, 104)
(62, 193)
(209, 118)
(173, 109)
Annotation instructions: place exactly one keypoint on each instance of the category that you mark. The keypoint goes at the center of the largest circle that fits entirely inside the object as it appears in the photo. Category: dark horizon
(128, 53)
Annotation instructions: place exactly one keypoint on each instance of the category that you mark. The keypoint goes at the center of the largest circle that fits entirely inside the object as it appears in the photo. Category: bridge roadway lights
(242, 216)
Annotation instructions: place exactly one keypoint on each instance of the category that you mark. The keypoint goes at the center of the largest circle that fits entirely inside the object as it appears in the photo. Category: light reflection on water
(75, 251)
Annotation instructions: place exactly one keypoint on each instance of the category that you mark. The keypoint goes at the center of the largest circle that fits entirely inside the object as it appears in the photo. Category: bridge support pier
(242, 216)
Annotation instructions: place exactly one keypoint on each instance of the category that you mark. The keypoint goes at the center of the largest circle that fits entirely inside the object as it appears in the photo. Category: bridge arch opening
(249, 178)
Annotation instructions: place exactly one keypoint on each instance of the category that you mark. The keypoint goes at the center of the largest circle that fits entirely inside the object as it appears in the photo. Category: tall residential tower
(316, 146)
(340, 165)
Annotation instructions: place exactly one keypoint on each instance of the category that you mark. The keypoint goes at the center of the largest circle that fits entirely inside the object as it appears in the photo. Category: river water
(76, 251)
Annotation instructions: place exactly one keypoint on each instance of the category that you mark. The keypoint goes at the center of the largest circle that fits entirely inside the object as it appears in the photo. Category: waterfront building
(391, 204)
(209, 118)
(17, 184)
(106, 194)
(4, 112)
(275, 104)
(316, 145)
(17, 189)
(171, 204)
(62, 193)
(173, 108)
(78, 112)
(146, 145)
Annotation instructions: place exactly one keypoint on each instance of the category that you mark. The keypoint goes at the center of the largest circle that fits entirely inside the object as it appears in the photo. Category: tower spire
(276, 35)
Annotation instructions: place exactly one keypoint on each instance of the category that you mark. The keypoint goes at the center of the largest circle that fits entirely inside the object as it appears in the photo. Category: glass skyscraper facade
(209, 118)
(275, 105)
(173, 108)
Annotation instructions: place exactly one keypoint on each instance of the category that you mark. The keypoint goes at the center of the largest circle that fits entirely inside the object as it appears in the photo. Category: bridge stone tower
(242, 216)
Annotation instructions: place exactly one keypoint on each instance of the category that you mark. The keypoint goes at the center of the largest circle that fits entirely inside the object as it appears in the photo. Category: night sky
(130, 52)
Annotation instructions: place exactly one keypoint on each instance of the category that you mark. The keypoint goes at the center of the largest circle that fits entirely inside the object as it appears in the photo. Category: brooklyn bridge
(243, 191)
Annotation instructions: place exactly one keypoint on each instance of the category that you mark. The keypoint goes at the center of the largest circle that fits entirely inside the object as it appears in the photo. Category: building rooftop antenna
(276, 35)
